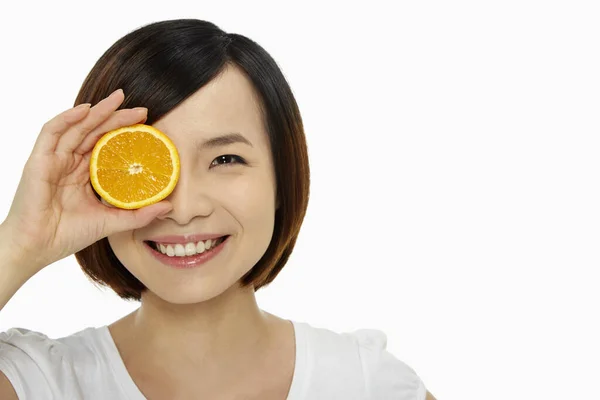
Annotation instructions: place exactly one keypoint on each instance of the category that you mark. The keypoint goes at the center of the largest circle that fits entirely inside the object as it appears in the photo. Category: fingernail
(84, 105)
(116, 91)
(140, 109)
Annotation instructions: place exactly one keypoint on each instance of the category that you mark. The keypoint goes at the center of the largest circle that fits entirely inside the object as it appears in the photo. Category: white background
(454, 151)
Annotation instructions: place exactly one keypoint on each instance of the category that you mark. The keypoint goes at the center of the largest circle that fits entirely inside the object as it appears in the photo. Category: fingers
(75, 135)
(79, 128)
(117, 120)
(53, 129)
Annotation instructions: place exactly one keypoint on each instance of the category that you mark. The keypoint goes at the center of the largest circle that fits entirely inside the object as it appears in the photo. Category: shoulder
(38, 346)
(39, 366)
(386, 375)
(362, 354)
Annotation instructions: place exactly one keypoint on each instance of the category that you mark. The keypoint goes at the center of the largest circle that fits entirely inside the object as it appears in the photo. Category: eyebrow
(224, 140)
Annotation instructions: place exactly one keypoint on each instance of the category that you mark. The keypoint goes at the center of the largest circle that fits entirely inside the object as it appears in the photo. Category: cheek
(250, 198)
(124, 248)
(249, 190)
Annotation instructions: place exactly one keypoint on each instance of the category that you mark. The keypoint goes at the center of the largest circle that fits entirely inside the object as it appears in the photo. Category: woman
(243, 192)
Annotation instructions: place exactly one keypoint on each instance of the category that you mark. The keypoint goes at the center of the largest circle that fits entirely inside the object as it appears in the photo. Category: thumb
(124, 220)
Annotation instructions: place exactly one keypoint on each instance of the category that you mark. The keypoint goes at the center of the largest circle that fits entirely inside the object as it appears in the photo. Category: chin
(193, 290)
(190, 294)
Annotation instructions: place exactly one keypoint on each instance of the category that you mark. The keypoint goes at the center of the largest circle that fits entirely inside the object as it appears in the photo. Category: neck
(224, 328)
(202, 348)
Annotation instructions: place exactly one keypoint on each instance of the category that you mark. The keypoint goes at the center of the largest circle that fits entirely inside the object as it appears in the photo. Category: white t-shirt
(87, 365)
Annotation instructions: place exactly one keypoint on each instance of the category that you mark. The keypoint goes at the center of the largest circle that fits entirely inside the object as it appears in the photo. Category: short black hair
(161, 64)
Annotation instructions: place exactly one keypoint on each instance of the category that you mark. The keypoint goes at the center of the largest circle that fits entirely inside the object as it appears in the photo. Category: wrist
(14, 259)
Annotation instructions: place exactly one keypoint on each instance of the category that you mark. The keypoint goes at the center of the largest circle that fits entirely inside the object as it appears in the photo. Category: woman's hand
(54, 212)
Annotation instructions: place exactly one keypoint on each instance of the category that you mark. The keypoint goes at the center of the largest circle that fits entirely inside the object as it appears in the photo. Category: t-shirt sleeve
(27, 358)
(386, 377)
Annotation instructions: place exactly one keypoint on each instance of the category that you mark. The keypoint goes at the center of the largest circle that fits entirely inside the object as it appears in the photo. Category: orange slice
(134, 166)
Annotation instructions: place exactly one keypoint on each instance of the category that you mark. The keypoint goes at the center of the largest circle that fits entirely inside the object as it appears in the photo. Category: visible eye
(227, 159)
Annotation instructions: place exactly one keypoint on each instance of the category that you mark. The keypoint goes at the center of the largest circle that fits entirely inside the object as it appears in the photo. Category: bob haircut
(160, 65)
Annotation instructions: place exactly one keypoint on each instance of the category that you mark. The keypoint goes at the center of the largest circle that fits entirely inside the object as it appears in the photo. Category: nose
(190, 199)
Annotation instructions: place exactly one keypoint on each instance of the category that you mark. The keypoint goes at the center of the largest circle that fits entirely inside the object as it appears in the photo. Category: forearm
(12, 274)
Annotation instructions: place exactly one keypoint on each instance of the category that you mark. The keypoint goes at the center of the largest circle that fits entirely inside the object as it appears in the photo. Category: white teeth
(170, 251)
(179, 250)
(189, 249)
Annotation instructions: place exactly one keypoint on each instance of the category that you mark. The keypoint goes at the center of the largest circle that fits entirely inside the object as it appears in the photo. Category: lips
(181, 249)
(185, 261)
(183, 239)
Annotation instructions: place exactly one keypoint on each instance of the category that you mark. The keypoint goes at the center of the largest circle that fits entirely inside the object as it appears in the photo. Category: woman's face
(224, 188)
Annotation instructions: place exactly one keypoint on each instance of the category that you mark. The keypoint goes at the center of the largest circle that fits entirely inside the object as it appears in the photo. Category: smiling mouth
(187, 249)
